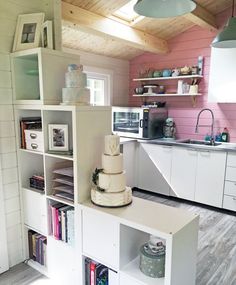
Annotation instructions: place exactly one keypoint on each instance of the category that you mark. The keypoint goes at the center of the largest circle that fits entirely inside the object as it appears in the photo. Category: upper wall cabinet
(222, 83)
(38, 75)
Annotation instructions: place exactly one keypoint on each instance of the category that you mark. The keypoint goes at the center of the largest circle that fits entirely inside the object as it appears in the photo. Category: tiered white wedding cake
(75, 91)
(110, 188)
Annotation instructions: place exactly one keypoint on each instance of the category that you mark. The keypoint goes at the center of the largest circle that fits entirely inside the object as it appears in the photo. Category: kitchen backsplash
(184, 50)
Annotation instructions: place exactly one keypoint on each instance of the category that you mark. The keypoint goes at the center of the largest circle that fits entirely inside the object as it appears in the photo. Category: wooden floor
(216, 248)
(216, 263)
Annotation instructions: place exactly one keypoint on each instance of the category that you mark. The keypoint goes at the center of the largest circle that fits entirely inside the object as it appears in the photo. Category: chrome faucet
(212, 123)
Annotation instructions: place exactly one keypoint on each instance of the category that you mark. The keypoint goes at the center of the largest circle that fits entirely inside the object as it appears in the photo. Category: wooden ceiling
(90, 26)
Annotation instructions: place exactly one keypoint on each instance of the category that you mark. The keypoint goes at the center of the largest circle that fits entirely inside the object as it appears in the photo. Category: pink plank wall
(184, 50)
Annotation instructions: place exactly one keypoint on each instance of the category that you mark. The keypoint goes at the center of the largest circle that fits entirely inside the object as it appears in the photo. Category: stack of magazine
(63, 183)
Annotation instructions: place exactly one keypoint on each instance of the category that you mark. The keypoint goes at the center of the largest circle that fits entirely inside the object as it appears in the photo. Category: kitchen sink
(200, 142)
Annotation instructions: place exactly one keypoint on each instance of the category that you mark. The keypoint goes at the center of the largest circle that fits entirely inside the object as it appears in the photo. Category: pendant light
(227, 38)
(164, 8)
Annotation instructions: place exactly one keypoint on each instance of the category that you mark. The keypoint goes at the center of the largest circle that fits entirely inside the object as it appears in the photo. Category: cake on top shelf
(110, 188)
(76, 91)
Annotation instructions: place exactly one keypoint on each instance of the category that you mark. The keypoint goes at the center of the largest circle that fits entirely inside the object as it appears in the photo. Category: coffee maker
(169, 129)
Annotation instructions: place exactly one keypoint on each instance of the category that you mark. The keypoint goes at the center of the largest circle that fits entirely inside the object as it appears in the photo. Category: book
(87, 270)
(70, 227)
(30, 243)
(93, 265)
(101, 274)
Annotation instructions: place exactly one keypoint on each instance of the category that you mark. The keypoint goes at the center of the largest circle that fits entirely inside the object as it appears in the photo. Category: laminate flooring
(216, 261)
(216, 264)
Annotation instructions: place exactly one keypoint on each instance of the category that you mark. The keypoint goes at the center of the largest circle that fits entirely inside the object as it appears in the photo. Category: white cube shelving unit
(113, 237)
(39, 75)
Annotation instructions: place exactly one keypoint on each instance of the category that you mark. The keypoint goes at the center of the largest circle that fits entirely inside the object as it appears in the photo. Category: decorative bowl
(167, 72)
(157, 73)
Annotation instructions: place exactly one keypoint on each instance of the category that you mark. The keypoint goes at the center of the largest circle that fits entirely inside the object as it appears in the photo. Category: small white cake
(75, 95)
(75, 92)
(110, 188)
(76, 78)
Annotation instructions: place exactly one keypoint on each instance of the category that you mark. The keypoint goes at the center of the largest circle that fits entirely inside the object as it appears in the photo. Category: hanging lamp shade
(164, 8)
(227, 37)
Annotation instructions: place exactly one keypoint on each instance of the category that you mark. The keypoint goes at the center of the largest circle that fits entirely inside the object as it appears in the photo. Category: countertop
(143, 212)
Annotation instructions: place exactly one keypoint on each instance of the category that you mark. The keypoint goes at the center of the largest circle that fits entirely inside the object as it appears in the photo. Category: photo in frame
(28, 31)
(58, 137)
(47, 35)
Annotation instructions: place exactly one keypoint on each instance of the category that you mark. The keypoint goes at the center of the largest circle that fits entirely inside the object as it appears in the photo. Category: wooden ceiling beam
(201, 17)
(98, 25)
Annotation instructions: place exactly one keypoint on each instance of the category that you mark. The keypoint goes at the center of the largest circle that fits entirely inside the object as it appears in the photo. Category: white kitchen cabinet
(154, 167)
(210, 177)
(129, 160)
(100, 238)
(34, 210)
(222, 75)
(183, 172)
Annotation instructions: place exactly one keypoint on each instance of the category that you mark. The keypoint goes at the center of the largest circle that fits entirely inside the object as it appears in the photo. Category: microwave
(142, 123)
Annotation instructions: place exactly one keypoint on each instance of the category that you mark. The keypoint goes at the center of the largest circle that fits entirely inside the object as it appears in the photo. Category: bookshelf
(36, 204)
(121, 232)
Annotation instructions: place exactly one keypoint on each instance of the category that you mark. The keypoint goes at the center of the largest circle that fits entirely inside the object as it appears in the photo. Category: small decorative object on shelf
(200, 65)
(175, 72)
(152, 258)
(58, 137)
(37, 182)
(186, 70)
(110, 188)
(28, 30)
(76, 91)
(30, 131)
(157, 73)
(47, 35)
(167, 73)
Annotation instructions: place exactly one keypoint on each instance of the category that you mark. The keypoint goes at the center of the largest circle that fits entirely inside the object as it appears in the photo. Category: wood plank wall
(9, 10)
(185, 50)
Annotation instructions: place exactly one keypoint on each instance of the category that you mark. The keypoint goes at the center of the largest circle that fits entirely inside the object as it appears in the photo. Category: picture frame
(28, 31)
(58, 138)
(47, 35)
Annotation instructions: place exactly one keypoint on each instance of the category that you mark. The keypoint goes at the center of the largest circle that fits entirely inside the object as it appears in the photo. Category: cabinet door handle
(34, 146)
(33, 136)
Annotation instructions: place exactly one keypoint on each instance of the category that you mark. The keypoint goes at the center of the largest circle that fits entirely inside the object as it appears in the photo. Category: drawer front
(229, 203)
(34, 135)
(230, 188)
(100, 238)
(230, 174)
(34, 145)
(35, 203)
(231, 160)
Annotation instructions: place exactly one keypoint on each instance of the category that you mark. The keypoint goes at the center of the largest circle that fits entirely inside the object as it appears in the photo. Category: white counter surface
(165, 219)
